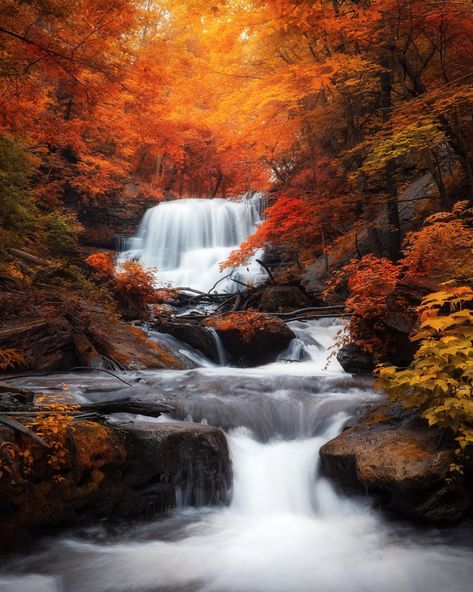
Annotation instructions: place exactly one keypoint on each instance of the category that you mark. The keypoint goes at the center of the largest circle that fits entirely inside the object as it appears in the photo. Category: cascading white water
(286, 529)
(186, 239)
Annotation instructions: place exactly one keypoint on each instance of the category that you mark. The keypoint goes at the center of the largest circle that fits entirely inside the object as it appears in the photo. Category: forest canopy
(334, 104)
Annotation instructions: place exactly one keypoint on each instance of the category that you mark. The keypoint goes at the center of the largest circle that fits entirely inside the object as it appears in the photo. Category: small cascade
(285, 527)
(185, 241)
(222, 356)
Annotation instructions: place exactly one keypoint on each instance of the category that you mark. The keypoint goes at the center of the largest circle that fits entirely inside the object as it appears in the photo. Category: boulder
(133, 350)
(251, 338)
(354, 360)
(196, 336)
(84, 486)
(171, 464)
(129, 470)
(403, 463)
(283, 298)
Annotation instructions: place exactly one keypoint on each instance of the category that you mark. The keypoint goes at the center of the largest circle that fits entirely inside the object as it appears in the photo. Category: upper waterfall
(186, 239)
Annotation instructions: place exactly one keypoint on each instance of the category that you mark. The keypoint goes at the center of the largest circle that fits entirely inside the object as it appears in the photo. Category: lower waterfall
(286, 529)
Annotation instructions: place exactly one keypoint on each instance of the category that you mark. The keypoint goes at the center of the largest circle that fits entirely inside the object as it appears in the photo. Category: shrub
(133, 287)
(442, 249)
(439, 381)
(60, 231)
(102, 265)
(11, 358)
(371, 280)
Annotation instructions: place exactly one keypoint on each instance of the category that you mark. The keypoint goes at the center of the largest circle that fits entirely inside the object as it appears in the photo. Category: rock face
(133, 470)
(106, 225)
(401, 462)
(354, 360)
(55, 343)
(46, 344)
(251, 338)
(283, 298)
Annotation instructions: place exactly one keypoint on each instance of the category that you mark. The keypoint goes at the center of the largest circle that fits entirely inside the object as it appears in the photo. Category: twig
(241, 283)
(15, 425)
(220, 280)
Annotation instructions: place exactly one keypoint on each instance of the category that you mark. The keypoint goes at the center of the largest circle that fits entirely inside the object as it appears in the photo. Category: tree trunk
(394, 225)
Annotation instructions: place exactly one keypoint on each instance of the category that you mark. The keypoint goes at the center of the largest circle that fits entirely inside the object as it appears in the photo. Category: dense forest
(354, 118)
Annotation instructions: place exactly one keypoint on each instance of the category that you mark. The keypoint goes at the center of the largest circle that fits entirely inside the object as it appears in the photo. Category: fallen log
(30, 258)
(150, 409)
(311, 309)
(315, 317)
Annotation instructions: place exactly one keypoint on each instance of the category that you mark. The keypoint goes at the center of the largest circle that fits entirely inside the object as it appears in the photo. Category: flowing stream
(285, 528)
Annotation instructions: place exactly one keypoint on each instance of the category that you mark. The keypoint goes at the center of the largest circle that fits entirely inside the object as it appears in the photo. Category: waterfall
(185, 240)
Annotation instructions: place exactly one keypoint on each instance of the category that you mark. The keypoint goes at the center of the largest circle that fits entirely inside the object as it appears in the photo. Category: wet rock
(194, 335)
(251, 338)
(402, 463)
(354, 360)
(130, 348)
(131, 470)
(84, 485)
(86, 353)
(283, 298)
(174, 463)
(89, 338)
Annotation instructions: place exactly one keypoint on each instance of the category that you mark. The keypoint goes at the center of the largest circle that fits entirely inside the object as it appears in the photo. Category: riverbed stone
(402, 463)
(354, 360)
(195, 335)
(133, 469)
(251, 338)
(171, 464)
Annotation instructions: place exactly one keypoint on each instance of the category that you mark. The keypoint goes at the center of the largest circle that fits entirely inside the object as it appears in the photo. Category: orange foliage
(102, 265)
(135, 283)
(371, 281)
(11, 358)
(291, 223)
(442, 249)
(247, 324)
(334, 105)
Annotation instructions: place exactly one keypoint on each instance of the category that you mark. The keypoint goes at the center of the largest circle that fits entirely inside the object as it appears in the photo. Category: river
(285, 529)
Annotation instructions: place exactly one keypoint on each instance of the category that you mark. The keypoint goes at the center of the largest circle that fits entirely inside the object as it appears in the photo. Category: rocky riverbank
(408, 468)
(112, 471)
